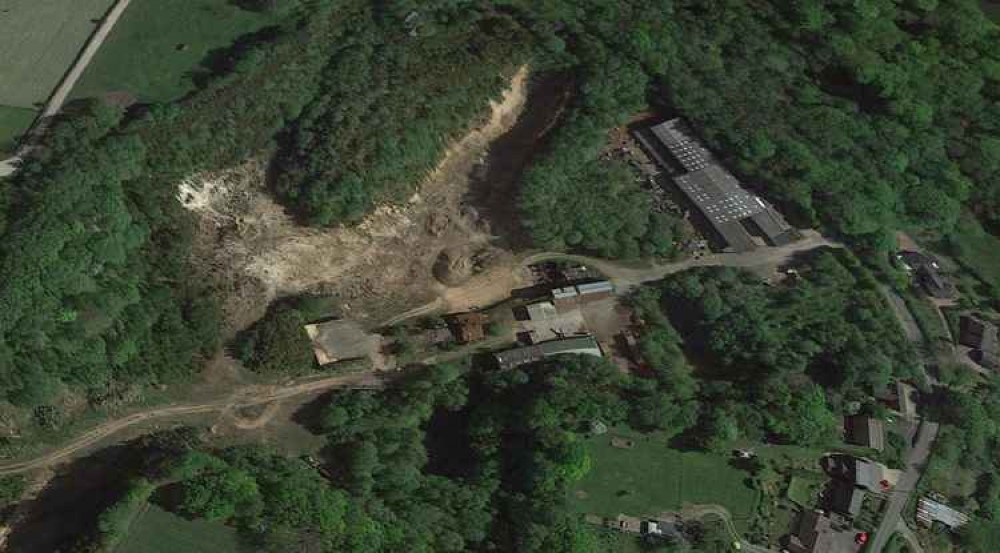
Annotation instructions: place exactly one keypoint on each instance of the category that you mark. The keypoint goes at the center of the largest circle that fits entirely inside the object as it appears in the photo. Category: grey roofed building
(581, 345)
(846, 499)
(935, 283)
(774, 227)
(865, 431)
(982, 336)
(541, 311)
(601, 288)
(565, 293)
(929, 511)
(868, 475)
(719, 195)
(813, 533)
(730, 209)
(680, 142)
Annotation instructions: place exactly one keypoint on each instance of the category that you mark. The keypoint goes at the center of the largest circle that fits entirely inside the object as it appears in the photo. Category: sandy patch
(256, 252)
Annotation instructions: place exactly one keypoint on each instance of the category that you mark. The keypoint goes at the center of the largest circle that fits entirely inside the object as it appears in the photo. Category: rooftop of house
(978, 334)
(846, 499)
(865, 431)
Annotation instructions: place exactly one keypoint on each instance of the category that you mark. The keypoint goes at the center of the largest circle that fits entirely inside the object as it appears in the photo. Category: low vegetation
(161, 51)
(13, 123)
(650, 477)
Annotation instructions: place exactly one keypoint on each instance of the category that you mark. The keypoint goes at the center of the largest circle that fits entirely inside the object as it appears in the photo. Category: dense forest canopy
(857, 115)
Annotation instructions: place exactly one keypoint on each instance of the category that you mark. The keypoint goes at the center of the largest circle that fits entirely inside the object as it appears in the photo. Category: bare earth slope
(257, 252)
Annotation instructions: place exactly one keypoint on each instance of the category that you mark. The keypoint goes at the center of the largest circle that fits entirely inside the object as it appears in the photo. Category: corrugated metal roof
(930, 511)
(564, 293)
(542, 311)
(595, 287)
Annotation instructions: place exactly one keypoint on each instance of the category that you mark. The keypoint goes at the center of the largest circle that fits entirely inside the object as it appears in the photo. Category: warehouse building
(735, 214)
(580, 345)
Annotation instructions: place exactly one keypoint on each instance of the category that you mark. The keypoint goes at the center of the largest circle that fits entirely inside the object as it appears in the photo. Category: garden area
(158, 531)
(640, 474)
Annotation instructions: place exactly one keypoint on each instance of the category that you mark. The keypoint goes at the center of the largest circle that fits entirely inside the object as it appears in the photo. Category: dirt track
(244, 398)
(480, 290)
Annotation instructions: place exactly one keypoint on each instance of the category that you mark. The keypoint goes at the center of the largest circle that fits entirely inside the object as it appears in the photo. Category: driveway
(916, 457)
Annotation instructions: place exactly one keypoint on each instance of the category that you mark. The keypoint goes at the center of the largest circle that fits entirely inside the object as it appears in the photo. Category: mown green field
(651, 477)
(159, 531)
(157, 44)
(39, 39)
(13, 122)
(803, 489)
(977, 249)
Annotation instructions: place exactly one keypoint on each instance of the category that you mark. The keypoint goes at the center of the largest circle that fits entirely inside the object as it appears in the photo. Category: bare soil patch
(256, 252)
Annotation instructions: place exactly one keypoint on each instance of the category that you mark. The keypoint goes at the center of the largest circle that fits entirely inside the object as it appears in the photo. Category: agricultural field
(156, 48)
(651, 477)
(13, 122)
(39, 40)
(159, 531)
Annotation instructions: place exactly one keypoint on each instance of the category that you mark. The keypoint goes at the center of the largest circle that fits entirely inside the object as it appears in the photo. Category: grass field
(13, 122)
(977, 249)
(803, 489)
(158, 531)
(651, 477)
(157, 43)
(39, 40)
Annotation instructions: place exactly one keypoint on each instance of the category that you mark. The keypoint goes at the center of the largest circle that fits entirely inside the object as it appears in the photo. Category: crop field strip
(39, 40)
(157, 46)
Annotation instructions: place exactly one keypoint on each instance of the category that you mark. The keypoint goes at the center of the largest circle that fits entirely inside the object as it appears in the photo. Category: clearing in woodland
(400, 256)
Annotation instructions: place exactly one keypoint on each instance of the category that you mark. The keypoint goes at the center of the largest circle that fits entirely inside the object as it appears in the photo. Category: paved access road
(915, 459)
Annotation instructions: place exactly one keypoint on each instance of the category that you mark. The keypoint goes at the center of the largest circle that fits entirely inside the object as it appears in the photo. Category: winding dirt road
(62, 91)
(481, 290)
(247, 397)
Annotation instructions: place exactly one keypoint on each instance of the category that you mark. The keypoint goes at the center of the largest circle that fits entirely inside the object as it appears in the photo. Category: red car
(861, 538)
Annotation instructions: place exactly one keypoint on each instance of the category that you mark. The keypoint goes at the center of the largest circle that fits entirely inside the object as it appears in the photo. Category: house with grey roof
(984, 339)
(865, 431)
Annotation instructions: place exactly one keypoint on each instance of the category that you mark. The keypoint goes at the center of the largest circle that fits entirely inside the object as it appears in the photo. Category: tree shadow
(494, 185)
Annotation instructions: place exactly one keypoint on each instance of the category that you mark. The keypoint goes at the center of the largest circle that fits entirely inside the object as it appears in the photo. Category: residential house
(984, 339)
(865, 431)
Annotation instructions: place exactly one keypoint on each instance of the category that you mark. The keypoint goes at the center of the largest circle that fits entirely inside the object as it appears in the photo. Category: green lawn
(39, 39)
(803, 489)
(158, 531)
(651, 477)
(157, 43)
(977, 249)
(13, 122)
